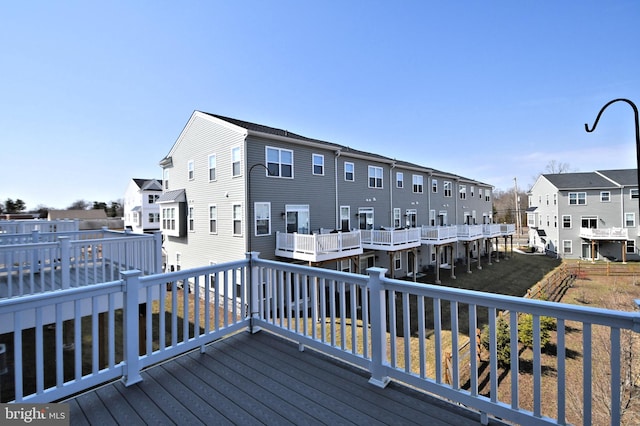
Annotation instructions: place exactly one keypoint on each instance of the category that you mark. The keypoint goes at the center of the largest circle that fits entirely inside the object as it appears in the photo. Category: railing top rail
(187, 273)
(607, 317)
(315, 272)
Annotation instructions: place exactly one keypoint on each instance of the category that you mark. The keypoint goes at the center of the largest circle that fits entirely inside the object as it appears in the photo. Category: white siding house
(141, 213)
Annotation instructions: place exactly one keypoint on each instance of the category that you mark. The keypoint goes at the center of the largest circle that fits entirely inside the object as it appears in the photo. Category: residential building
(588, 215)
(90, 219)
(231, 186)
(141, 213)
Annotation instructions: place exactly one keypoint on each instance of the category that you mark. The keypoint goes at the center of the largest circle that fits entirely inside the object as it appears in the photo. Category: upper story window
(375, 177)
(213, 219)
(630, 220)
(349, 171)
(399, 180)
(487, 194)
(280, 162)
(447, 188)
(318, 164)
(566, 221)
(434, 185)
(547, 199)
(555, 199)
(472, 190)
(397, 217)
(191, 218)
(169, 218)
(237, 219)
(152, 198)
(577, 198)
(190, 169)
(530, 198)
(236, 170)
(166, 179)
(463, 192)
(262, 218)
(154, 217)
(212, 167)
(605, 196)
(633, 193)
(417, 184)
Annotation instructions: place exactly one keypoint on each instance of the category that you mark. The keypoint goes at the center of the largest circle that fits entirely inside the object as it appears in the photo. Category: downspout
(335, 173)
(393, 166)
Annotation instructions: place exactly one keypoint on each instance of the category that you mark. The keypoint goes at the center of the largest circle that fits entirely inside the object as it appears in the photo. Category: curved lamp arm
(637, 123)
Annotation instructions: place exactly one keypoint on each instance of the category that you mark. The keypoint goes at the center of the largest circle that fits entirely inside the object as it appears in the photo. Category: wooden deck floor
(260, 379)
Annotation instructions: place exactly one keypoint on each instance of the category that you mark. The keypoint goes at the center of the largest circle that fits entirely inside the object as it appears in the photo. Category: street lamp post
(637, 129)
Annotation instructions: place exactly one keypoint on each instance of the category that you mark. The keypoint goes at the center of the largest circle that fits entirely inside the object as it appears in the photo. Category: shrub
(503, 341)
(525, 330)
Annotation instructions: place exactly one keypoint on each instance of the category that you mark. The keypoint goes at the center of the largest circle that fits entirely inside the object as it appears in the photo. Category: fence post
(157, 252)
(65, 261)
(131, 327)
(378, 328)
(254, 291)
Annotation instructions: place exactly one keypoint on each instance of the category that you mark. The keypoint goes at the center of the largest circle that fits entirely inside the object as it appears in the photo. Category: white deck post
(378, 328)
(157, 252)
(65, 261)
(254, 291)
(131, 327)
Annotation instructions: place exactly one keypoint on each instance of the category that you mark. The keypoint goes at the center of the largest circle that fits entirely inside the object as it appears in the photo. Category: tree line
(112, 208)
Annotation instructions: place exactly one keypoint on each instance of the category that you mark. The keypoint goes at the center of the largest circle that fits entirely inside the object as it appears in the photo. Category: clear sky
(93, 93)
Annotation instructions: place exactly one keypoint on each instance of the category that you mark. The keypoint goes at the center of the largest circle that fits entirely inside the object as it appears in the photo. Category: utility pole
(515, 190)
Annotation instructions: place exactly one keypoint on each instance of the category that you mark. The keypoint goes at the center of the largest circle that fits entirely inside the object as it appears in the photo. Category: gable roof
(149, 184)
(623, 177)
(77, 214)
(585, 180)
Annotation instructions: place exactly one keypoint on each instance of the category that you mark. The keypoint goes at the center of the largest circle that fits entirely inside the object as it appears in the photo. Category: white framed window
(279, 162)
(605, 196)
(577, 198)
(434, 185)
(555, 199)
(212, 167)
(152, 198)
(547, 198)
(432, 218)
(418, 181)
(345, 265)
(633, 193)
(487, 194)
(166, 178)
(168, 218)
(318, 164)
(472, 190)
(236, 168)
(397, 213)
(237, 219)
(463, 192)
(213, 219)
(412, 218)
(191, 218)
(262, 213)
(375, 177)
(190, 170)
(555, 221)
(631, 246)
(154, 217)
(365, 217)
(349, 171)
(399, 180)
(567, 246)
(447, 188)
(629, 219)
(397, 261)
(345, 218)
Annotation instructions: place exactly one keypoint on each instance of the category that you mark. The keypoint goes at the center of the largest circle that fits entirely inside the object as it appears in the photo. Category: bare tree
(556, 167)
(79, 205)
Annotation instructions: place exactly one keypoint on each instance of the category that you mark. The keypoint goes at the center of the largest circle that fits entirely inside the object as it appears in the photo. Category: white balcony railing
(491, 230)
(390, 239)
(438, 234)
(317, 308)
(507, 228)
(28, 226)
(469, 232)
(604, 233)
(318, 247)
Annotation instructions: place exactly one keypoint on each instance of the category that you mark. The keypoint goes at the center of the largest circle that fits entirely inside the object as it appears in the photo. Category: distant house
(89, 219)
(141, 213)
(589, 215)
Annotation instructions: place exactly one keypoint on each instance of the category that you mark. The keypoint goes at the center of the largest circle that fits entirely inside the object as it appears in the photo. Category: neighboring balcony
(390, 239)
(469, 232)
(318, 247)
(604, 233)
(435, 235)
(507, 229)
(491, 230)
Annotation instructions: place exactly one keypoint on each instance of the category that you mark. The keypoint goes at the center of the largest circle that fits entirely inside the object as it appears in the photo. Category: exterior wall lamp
(637, 123)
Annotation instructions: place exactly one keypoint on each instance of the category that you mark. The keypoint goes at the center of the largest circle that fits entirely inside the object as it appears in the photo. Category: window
(633, 193)
(590, 222)
(396, 217)
(432, 218)
(400, 180)
(567, 246)
(434, 185)
(412, 218)
(349, 173)
(166, 179)
(280, 162)
(472, 190)
(237, 219)
(235, 162)
(213, 219)
(487, 194)
(605, 196)
(365, 217)
(190, 217)
(463, 192)
(630, 220)
(169, 218)
(345, 265)
(555, 199)
(397, 261)
(318, 164)
(547, 197)
(212, 167)
(154, 217)
(631, 247)
(555, 221)
(152, 198)
(345, 218)
(577, 198)
(547, 220)
(417, 184)
(262, 218)
(190, 170)
(566, 221)
(375, 177)
(447, 188)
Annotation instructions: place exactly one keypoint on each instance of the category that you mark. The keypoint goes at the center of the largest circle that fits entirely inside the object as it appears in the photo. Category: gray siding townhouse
(231, 187)
(588, 215)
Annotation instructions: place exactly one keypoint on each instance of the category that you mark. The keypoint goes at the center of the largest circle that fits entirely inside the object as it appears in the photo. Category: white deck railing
(438, 233)
(507, 228)
(491, 230)
(390, 237)
(318, 308)
(469, 232)
(604, 233)
(28, 226)
(75, 259)
(318, 247)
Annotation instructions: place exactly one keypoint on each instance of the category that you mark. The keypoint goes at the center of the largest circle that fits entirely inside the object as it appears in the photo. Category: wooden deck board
(261, 379)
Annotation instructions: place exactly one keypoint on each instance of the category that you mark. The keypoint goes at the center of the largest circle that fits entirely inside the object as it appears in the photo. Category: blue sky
(96, 93)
